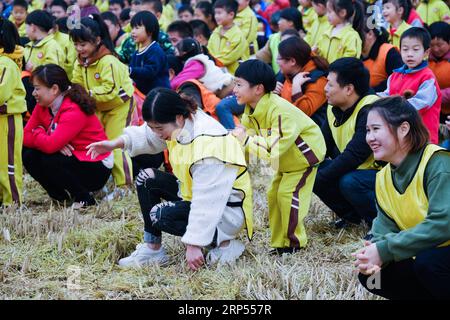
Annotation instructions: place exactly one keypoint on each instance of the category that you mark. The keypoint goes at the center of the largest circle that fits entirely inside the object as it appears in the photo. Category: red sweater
(70, 126)
(426, 95)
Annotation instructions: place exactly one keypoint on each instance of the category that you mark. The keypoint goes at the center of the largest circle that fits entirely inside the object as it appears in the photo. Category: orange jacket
(377, 68)
(313, 96)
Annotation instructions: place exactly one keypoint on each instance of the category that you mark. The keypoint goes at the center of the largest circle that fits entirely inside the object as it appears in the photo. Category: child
(411, 16)
(148, 65)
(18, 16)
(12, 105)
(185, 13)
(439, 62)
(247, 22)
(309, 15)
(87, 8)
(204, 11)
(42, 48)
(179, 30)
(58, 9)
(201, 32)
(416, 81)
(67, 46)
(116, 7)
(227, 43)
(433, 10)
(393, 13)
(320, 25)
(115, 30)
(344, 39)
(293, 144)
(156, 7)
(107, 81)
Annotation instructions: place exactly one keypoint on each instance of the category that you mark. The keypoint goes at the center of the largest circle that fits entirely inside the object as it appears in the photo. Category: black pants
(426, 277)
(145, 161)
(59, 174)
(351, 197)
(172, 216)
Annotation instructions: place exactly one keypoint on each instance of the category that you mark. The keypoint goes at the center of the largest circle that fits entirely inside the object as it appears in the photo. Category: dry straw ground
(42, 246)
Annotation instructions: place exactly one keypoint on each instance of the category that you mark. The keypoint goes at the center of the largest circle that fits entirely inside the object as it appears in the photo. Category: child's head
(145, 26)
(290, 18)
(9, 37)
(201, 31)
(394, 126)
(274, 18)
(112, 23)
(254, 79)
(84, 3)
(204, 11)
(320, 7)
(346, 11)
(185, 13)
(440, 38)
(225, 11)
(153, 6)
(414, 46)
(38, 24)
(135, 7)
(59, 9)
(188, 48)
(116, 7)
(242, 4)
(394, 11)
(125, 17)
(19, 12)
(90, 36)
(347, 79)
(179, 30)
(61, 24)
(306, 3)
(175, 65)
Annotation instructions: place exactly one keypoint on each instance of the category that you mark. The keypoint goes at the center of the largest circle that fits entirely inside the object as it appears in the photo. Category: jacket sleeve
(54, 55)
(108, 88)
(426, 95)
(142, 140)
(192, 70)
(353, 46)
(385, 93)
(34, 122)
(6, 82)
(77, 76)
(264, 54)
(313, 98)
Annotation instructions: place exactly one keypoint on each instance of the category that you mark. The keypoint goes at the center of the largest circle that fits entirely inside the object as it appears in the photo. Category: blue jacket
(149, 68)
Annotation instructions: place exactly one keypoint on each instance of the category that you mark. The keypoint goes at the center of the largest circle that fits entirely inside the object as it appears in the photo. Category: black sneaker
(368, 236)
(281, 251)
(340, 224)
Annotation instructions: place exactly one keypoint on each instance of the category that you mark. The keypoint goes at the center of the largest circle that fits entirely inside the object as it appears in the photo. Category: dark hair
(354, 9)
(294, 16)
(300, 51)
(182, 27)
(206, 7)
(257, 72)
(62, 25)
(322, 2)
(41, 19)
(52, 74)
(396, 110)
(149, 21)
(351, 71)
(227, 5)
(59, 3)
(20, 3)
(381, 34)
(184, 8)
(188, 48)
(174, 63)
(111, 17)
(200, 27)
(121, 3)
(125, 14)
(156, 4)
(405, 4)
(418, 33)
(440, 30)
(290, 33)
(162, 105)
(9, 37)
(90, 29)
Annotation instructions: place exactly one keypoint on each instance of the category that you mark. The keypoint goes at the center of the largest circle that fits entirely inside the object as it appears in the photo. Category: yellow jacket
(247, 22)
(346, 43)
(169, 12)
(230, 48)
(283, 134)
(16, 56)
(43, 52)
(22, 29)
(12, 91)
(433, 11)
(309, 16)
(70, 54)
(319, 27)
(394, 38)
(106, 78)
(102, 5)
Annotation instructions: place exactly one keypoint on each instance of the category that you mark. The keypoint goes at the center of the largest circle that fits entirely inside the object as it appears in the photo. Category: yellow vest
(343, 134)
(410, 208)
(225, 148)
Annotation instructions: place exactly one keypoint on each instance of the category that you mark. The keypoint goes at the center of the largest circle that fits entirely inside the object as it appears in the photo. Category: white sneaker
(143, 255)
(228, 254)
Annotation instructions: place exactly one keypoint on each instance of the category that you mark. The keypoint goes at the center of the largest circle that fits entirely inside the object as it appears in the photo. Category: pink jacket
(192, 70)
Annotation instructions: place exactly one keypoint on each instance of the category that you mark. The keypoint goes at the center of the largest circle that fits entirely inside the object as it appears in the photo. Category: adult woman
(412, 230)
(63, 123)
(215, 192)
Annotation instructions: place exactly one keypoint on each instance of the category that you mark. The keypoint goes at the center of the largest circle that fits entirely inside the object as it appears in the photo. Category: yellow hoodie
(346, 43)
(44, 51)
(12, 91)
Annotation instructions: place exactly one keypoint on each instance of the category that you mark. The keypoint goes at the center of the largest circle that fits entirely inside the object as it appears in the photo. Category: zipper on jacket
(87, 84)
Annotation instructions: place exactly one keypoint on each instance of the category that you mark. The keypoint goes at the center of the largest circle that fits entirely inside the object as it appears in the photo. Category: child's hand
(447, 123)
(278, 88)
(240, 133)
(97, 148)
(194, 257)
(29, 66)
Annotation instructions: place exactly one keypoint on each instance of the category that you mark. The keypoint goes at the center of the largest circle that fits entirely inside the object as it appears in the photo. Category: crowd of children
(342, 103)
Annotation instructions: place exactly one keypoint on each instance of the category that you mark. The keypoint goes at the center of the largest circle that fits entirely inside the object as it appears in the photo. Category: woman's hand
(240, 133)
(368, 259)
(97, 148)
(194, 257)
(278, 88)
(300, 78)
(67, 150)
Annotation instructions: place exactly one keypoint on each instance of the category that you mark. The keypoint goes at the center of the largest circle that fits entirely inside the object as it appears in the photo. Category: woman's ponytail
(80, 96)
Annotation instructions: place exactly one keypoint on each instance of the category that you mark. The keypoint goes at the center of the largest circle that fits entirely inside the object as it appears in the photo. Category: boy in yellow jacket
(227, 43)
(18, 16)
(320, 24)
(69, 52)
(42, 49)
(247, 22)
(293, 144)
(12, 105)
(108, 82)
